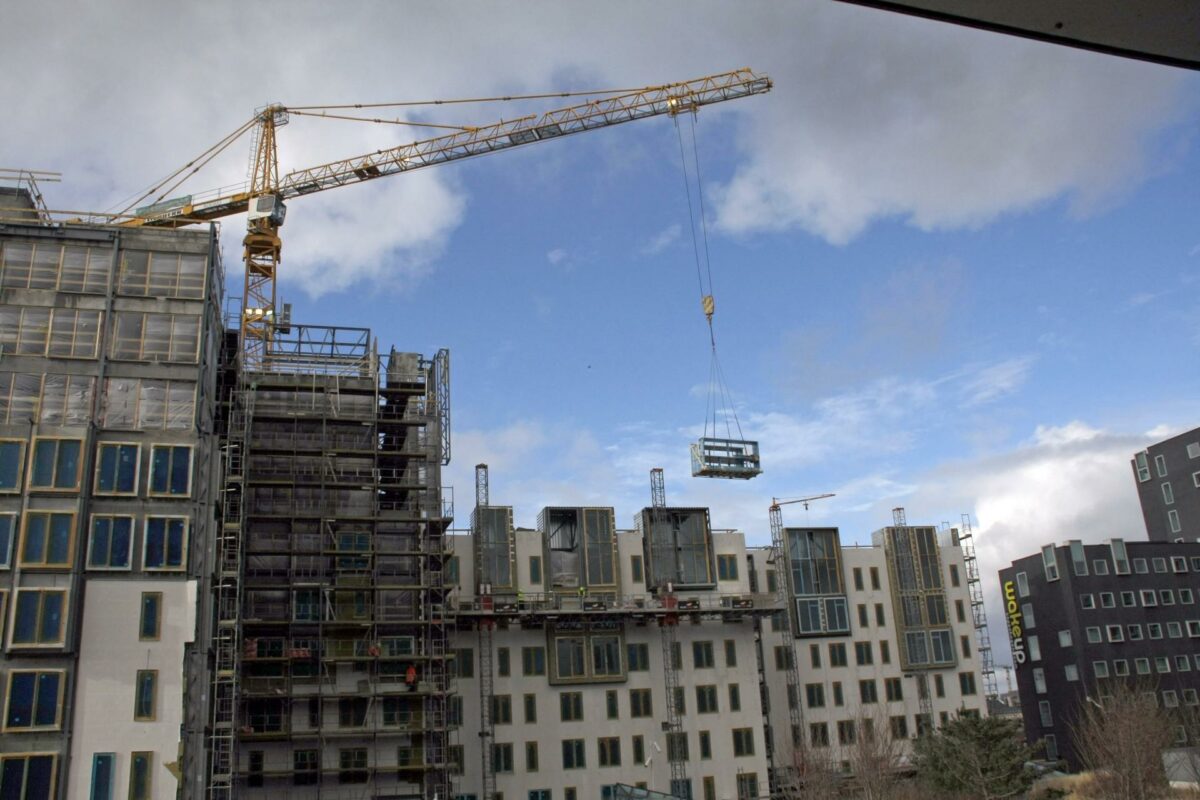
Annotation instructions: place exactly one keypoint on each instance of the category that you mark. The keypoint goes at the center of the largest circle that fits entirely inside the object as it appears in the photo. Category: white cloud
(556, 256)
(873, 115)
(662, 240)
(997, 380)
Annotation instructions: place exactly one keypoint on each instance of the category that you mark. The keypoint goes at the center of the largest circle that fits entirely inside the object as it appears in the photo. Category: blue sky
(954, 271)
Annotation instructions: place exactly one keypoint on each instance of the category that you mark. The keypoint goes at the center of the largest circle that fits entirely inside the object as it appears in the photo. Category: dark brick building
(1168, 482)
(1083, 616)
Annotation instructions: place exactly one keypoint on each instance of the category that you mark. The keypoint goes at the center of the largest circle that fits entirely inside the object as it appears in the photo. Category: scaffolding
(487, 723)
(785, 777)
(668, 624)
(983, 638)
(343, 685)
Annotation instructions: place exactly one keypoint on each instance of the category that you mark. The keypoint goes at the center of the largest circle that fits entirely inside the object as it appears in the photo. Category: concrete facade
(109, 340)
(1167, 476)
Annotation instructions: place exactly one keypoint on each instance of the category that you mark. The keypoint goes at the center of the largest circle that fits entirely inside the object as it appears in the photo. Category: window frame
(26, 756)
(42, 592)
(89, 564)
(60, 696)
(53, 488)
(145, 679)
(166, 567)
(137, 469)
(19, 483)
(172, 447)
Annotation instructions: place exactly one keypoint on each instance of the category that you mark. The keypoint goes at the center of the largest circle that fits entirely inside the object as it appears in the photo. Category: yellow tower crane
(264, 197)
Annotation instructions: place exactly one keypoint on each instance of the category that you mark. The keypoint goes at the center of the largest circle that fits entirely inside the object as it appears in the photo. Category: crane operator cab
(269, 207)
(725, 458)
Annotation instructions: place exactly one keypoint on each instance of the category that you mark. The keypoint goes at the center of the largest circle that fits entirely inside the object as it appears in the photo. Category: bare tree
(1120, 737)
(817, 773)
(875, 755)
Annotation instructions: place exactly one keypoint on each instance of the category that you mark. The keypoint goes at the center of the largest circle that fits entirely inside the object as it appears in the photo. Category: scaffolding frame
(344, 672)
(983, 637)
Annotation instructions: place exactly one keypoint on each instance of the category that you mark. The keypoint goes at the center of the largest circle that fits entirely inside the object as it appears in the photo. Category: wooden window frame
(137, 470)
(78, 481)
(88, 565)
(166, 533)
(142, 637)
(39, 590)
(171, 447)
(35, 513)
(138, 716)
(25, 756)
(59, 711)
(21, 454)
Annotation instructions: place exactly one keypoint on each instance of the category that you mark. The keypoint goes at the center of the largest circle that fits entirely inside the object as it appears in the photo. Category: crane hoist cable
(719, 405)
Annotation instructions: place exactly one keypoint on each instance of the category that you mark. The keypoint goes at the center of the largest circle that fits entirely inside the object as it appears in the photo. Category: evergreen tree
(980, 757)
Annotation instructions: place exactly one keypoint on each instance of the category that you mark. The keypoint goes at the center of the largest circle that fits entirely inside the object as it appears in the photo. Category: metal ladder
(487, 722)
(226, 674)
(668, 624)
(983, 639)
(787, 779)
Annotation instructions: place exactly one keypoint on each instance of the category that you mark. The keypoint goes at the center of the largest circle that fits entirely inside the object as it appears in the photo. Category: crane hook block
(709, 306)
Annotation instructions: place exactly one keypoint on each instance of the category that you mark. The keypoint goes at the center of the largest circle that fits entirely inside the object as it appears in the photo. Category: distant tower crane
(263, 198)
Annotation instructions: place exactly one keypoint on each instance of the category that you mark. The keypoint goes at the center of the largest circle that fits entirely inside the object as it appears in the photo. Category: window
(1168, 495)
(12, 461)
(1128, 600)
(166, 538)
(1121, 667)
(1166, 597)
(635, 567)
(155, 274)
(966, 683)
(942, 649)
(1064, 638)
(678, 698)
(1022, 585)
(858, 579)
(56, 465)
(352, 764)
(1120, 557)
(502, 757)
(706, 700)
(1108, 600)
(1116, 633)
(862, 653)
(1178, 564)
(1183, 663)
(573, 754)
(638, 657)
(571, 706)
(702, 655)
(28, 776)
(142, 336)
(1027, 613)
(103, 766)
(846, 732)
(1039, 680)
(1093, 635)
(837, 655)
(1193, 628)
(875, 578)
(1071, 672)
(1160, 465)
(814, 695)
(145, 695)
(502, 709)
(838, 698)
(1078, 559)
(747, 786)
(1099, 566)
(868, 691)
(464, 662)
(1047, 718)
(50, 265)
(885, 652)
(48, 541)
(1050, 562)
(352, 712)
(530, 708)
(150, 619)
(881, 620)
(171, 470)
(1185, 597)
(503, 662)
(864, 620)
(1140, 567)
(34, 700)
(784, 656)
(639, 750)
(954, 580)
(147, 404)
(1154, 629)
(535, 570)
(964, 642)
(1100, 669)
(610, 751)
(141, 768)
(109, 542)
(939, 686)
(40, 617)
(531, 763)
(1160, 565)
(533, 661)
(1149, 598)
(1173, 521)
(743, 742)
(730, 653)
(727, 567)
(1087, 601)
(735, 697)
(899, 727)
(1051, 743)
(1142, 665)
(1162, 664)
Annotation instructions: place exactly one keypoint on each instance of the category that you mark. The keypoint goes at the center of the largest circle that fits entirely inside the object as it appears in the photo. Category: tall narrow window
(1050, 562)
(8, 524)
(12, 459)
(145, 690)
(150, 623)
(140, 776)
(103, 766)
(1120, 557)
(1078, 559)
(170, 470)
(535, 570)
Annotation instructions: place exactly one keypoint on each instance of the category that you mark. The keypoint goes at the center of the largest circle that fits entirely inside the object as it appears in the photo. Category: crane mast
(263, 198)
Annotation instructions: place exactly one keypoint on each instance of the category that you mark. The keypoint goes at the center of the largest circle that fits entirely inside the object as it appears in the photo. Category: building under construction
(332, 672)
